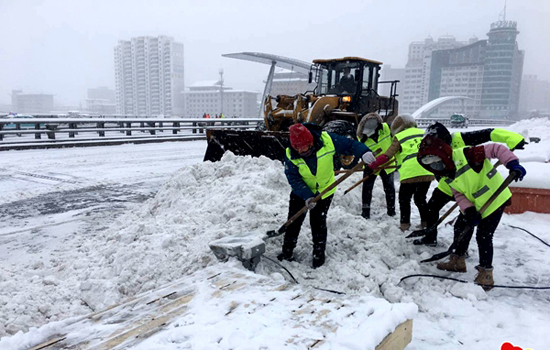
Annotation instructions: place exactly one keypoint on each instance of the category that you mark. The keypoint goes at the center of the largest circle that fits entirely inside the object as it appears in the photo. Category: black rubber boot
(318, 260)
(391, 211)
(365, 213)
(285, 256)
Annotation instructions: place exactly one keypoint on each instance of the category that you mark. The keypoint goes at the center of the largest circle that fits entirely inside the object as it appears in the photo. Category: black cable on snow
(330, 290)
(463, 281)
(276, 262)
(519, 228)
(323, 289)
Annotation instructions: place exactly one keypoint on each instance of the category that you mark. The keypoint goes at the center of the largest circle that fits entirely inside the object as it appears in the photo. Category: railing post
(129, 132)
(72, 126)
(121, 125)
(18, 127)
(51, 132)
(194, 130)
(37, 135)
(101, 125)
(151, 125)
(142, 126)
(160, 126)
(175, 125)
(1, 128)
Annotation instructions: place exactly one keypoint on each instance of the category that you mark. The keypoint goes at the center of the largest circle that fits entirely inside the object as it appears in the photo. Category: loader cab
(351, 76)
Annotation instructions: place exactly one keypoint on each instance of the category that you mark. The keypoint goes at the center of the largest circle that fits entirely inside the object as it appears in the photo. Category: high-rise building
(417, 70)
(31, 103)
(204, 97)
(458, 72)
(486, 71)
(502, 72)
(149, 76)
(534, 96)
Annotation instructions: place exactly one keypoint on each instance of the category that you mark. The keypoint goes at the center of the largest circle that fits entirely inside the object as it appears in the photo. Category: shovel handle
(491, 199)
(366, 177)
(348, 173)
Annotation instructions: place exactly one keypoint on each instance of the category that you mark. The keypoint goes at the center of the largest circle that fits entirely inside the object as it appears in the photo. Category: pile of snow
(167, 238)
(531, 129)
(536, 155)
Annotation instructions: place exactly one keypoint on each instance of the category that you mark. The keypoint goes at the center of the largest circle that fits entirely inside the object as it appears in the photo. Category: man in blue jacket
(309, 168)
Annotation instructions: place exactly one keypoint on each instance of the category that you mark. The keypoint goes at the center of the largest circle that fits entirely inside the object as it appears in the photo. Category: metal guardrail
(423, 122)
(16, 133)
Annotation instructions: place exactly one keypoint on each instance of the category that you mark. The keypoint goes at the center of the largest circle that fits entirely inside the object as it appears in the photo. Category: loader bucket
(271, 144)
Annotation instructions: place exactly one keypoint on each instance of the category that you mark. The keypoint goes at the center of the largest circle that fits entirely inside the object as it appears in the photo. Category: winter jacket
(342, 145)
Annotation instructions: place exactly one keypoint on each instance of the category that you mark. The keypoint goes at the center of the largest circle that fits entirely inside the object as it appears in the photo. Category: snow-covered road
(84, 228)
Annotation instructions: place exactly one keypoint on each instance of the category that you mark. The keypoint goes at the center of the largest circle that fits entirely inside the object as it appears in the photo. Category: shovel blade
(437, 256)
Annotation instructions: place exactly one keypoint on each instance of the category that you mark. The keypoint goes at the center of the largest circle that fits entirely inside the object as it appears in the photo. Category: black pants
(317, 220)
(435, 204)
(389, 190)
(406, 192)
(484, 236)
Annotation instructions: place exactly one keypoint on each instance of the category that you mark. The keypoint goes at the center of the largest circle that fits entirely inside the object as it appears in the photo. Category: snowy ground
(85, 228)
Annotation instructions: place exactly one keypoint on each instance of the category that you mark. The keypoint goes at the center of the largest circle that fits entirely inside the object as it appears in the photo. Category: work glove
(521, 144)
(310, 203)
(472, 216)
(380, 160)
(516, 169)
(368, 157)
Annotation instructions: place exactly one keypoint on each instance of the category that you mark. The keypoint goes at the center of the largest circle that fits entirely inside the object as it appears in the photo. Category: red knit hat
(432, 145)
(300, 136)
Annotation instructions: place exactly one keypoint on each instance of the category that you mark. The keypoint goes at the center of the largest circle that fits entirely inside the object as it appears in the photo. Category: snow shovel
(366, 177)
(502, 187)
(420, 233)
(283, 228)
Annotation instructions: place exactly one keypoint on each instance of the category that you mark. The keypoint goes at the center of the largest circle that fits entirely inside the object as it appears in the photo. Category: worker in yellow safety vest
(309, 168)
(376, 135)
(414, 179)
(443, 194)
(472, 180)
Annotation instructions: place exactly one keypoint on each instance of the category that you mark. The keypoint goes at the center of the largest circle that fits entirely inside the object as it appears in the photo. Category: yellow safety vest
(325, 167)
(456, 143)
(380, 147)
(406, 159)
(478, 187)
(512, 139)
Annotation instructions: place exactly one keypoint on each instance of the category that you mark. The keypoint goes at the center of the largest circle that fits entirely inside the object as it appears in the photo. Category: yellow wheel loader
(346, 90)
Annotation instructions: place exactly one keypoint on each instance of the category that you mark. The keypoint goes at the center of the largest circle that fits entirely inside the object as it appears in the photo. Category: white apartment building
(417, 70)
(206, 97)
(149, 76)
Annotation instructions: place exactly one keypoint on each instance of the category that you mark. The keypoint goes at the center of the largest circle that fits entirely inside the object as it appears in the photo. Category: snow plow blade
(271, 144)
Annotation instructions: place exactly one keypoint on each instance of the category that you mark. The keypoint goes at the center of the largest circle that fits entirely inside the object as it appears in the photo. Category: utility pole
(221, 91)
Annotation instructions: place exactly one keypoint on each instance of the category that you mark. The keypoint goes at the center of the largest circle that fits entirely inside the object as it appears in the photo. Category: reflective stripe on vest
(380, 147)
(325, 167)
(408, 164)
(478, 187)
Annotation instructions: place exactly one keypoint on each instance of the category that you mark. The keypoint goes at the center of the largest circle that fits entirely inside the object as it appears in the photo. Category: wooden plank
(48, 343)
(398, 339)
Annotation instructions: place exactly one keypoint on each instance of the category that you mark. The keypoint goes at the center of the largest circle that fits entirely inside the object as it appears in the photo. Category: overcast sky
(64, 47)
